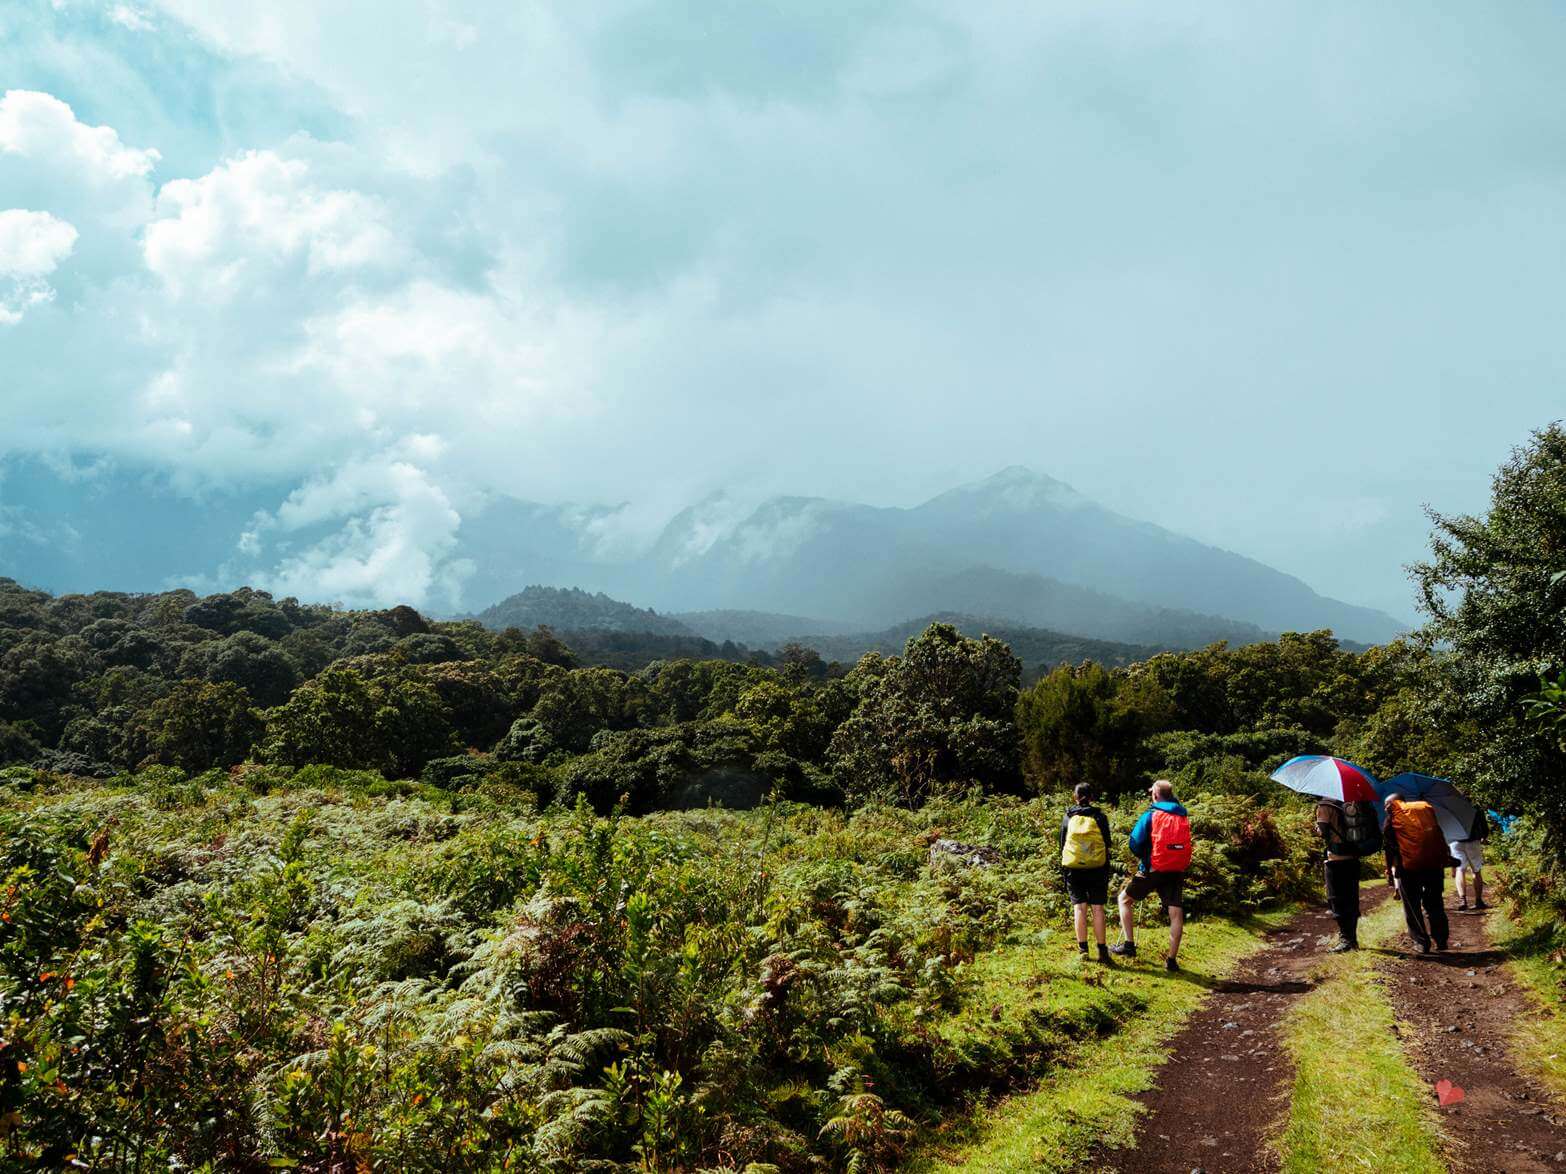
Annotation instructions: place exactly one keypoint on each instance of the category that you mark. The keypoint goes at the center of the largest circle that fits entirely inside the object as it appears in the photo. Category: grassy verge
(1087, 1100)
(1534, 952)
(1372, 1113)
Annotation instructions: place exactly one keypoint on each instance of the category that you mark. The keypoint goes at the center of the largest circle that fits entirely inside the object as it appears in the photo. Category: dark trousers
(1343, 897)
(1423, 908)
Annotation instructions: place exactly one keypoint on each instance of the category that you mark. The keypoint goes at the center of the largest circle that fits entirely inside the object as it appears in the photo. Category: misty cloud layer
(339, 274)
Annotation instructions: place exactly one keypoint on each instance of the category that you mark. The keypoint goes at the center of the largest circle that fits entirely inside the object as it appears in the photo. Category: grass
(1373, 1113)
(1534, 951)
(1087, 1100)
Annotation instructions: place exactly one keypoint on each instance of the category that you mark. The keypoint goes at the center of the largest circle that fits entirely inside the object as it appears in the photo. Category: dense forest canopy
(102, 684)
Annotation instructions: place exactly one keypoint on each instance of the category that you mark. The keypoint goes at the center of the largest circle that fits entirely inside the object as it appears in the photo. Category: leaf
(1448, 1093)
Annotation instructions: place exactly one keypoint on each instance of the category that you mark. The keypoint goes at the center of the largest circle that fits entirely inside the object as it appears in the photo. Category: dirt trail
(1232, 1070)
(1460, 1008)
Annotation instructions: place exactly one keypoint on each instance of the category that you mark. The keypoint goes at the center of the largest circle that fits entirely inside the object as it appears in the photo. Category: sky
(289, 289)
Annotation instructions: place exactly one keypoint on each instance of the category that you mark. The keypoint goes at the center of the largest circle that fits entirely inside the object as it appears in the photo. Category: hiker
(1161, 842)
(1084, 858)
(1469, 855)
(1348, 831)
(1417, 860)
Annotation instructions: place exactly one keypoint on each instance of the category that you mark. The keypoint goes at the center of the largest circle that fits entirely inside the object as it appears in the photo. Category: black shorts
(1088, 886)
(1170, 887)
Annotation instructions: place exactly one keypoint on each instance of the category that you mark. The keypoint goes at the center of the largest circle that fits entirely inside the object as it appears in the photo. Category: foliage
(1494, 590)
(935, 720)
(1086, 724)
(313, 967)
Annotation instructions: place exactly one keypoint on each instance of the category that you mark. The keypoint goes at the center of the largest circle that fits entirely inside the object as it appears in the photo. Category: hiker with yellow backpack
(1084, 858)
(1417, 857)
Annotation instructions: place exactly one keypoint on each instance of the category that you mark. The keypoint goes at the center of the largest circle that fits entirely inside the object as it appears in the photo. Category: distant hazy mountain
(1019, 546)
(1038, 648)
(571, 609)
(604, 631)
(758, 629)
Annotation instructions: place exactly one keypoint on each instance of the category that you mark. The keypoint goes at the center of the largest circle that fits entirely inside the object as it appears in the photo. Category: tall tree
(1495, 595)
(936, 719)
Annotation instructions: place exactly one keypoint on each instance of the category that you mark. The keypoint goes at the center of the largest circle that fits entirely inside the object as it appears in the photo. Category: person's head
(1083, 793)
(1162, 791)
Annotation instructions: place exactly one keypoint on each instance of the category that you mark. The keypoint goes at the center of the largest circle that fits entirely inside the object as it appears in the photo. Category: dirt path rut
(1460, 1008)
(1213, 1110)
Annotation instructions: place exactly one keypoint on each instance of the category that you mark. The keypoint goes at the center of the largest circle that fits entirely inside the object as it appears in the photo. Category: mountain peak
(1015, 487)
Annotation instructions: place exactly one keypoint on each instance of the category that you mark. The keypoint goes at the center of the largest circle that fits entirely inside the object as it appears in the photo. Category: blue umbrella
(1454, 812)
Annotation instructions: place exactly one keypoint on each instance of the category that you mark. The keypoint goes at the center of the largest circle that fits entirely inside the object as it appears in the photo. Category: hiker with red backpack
(1349, 832)
(1161, 842)
(1084, 859)
(1417, 859)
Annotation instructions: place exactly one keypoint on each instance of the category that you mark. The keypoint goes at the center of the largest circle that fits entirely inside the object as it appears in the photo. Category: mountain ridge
(1083, 568)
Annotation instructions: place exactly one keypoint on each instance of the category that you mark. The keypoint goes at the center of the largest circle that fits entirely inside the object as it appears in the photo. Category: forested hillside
(571, 608)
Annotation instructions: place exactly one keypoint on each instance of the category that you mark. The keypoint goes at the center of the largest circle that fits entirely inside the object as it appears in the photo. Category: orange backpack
(1420, 843)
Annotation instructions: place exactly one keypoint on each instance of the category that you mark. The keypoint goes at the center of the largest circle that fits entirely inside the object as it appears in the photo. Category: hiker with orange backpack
(1161, 842)
(1417, 860)
(1084, 859)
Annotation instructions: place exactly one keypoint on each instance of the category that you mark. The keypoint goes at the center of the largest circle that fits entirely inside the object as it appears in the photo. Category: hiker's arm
(1389, 845)
(1064, 821)
(1138, 841)
(1103, 826)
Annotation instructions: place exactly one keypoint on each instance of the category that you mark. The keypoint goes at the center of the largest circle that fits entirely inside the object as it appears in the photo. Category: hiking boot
(1481, 904)
(1082, 948)
(1103, 953)
(1463, 907)
(1124, 950)
(1343, 947)
(1424, 947)
(1171, 965)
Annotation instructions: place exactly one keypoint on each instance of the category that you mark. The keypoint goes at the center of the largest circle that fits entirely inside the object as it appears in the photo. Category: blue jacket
(1141, 841)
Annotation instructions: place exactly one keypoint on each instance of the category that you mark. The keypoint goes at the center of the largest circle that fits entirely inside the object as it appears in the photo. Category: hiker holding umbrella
(1349, 824)
(1462, 826)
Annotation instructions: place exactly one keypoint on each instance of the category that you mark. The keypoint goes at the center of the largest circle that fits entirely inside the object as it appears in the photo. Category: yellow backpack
(1084, 846)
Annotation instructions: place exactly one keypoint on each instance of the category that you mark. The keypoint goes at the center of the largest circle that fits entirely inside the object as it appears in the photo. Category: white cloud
(131, 18)
(32, 245)
(40, 127)
(83, 174)
(395, 530)
(254, 215)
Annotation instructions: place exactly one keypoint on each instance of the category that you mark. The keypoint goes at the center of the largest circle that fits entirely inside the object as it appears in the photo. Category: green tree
(1086, 724)
(575, 706)
(1496, 597)
(201, 724)
(935, 720)
(390, 724)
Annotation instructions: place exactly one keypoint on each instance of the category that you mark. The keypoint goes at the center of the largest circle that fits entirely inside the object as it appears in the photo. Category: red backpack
(1171, 835)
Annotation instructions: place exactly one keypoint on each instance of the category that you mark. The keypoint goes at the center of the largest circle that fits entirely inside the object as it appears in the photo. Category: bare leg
(1478, 887)
(1459, 875)
(1079, 917)
(1176, 928)
(1126, 908)
(1098, 924)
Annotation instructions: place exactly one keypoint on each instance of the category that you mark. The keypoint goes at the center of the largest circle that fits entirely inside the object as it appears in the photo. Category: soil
(1233, 1072)
(1460, 1008)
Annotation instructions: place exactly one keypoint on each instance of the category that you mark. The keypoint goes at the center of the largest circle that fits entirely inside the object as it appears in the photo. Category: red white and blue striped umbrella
(1327, 778)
